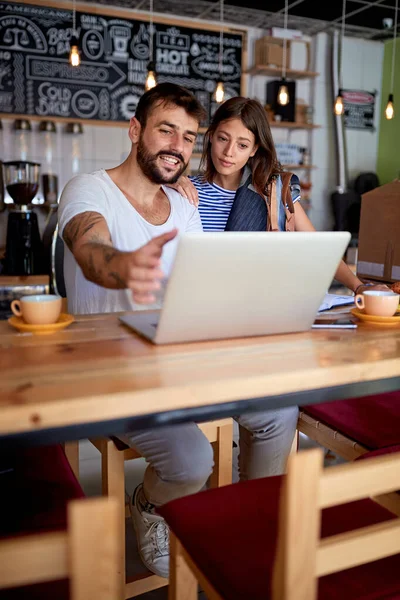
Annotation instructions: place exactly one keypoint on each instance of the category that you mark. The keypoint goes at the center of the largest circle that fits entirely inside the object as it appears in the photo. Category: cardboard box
(269, 52)
(379, 235)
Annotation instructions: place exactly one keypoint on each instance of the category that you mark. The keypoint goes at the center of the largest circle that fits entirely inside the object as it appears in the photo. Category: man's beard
(148, 164)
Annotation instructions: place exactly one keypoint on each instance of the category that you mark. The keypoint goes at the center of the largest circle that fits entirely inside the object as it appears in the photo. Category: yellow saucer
(375, 319)
(63, 321)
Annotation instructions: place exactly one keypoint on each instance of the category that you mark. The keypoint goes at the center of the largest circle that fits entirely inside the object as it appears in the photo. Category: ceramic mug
(378, 303)
(40, 309)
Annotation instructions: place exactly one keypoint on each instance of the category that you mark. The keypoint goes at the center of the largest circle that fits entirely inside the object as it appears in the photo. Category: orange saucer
(375, 319)
(63, 321)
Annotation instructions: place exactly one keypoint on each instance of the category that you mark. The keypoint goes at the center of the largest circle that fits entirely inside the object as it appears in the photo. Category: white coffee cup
(38, 309)
(378, 303)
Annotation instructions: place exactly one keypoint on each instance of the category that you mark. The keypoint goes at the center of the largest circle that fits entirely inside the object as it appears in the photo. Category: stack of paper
(332, 300)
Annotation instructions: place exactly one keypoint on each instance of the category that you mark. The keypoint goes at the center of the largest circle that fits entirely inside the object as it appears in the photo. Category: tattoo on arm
(118, 279)
(108, 254)
(97, 238)
(95, 254)
(93, 273)
(79, 226)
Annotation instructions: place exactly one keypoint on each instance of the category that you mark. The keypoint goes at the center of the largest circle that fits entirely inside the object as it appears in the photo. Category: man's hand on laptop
(186, 189)
(142, 268)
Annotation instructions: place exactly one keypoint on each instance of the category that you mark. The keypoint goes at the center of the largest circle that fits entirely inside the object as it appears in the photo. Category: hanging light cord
(285, 24)
(74, 17)
(151, 31)
(221, 35)
(341, 44)
(394, 46)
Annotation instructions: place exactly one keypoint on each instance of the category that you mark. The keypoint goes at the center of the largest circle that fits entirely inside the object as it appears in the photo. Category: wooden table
(97, 377)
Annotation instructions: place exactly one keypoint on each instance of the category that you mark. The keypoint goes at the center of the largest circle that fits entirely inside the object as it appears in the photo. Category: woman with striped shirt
(239, 164)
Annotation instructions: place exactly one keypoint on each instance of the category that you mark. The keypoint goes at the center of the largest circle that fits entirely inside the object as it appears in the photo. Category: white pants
(181, 458)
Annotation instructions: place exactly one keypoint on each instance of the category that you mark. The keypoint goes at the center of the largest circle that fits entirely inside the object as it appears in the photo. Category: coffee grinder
(24, 252)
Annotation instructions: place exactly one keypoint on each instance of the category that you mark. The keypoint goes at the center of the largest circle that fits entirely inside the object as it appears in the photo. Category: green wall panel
(388, 163)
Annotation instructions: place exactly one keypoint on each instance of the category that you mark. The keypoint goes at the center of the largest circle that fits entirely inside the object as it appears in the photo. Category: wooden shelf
(19, 280)
(277, 72)
(292, 125)
(298, 167)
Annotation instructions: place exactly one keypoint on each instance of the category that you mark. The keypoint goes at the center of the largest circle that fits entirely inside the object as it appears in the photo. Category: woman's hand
(378, 287)
(186, 188)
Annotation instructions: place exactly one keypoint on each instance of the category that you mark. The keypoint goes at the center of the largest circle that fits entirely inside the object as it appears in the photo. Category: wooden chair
(355, 426)
(305, 535)
(114, 453)
(329, 437)
(351, 428)
(86, 554)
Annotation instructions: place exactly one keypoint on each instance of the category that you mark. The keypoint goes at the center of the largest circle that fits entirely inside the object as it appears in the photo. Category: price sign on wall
(359, 108)
(37, 79)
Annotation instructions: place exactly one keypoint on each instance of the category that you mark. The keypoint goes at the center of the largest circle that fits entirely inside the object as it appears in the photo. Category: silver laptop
(239, 284)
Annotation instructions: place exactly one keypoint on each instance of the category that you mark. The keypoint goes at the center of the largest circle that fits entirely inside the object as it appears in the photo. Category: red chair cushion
(373, 421)
(379, 452)
(36, 486)
(231, 534)
(54, 590)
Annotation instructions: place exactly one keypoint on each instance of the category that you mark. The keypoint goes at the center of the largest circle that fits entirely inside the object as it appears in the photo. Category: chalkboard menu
(359, 107)
(37, 79)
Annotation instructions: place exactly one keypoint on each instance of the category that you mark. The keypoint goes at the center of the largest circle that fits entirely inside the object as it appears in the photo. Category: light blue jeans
(181, 458)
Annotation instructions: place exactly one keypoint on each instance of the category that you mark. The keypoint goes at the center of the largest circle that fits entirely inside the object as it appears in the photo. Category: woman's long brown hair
(264, 164)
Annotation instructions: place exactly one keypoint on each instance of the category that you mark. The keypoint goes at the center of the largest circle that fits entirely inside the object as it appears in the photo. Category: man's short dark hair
(169, 93)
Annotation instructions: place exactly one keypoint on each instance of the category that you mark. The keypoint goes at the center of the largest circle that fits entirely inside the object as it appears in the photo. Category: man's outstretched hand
(142, 268)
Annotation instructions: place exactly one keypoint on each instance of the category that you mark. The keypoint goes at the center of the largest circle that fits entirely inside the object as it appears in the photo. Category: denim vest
(249, 210)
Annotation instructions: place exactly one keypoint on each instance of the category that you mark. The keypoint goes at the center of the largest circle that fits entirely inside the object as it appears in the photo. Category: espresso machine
(24, 250)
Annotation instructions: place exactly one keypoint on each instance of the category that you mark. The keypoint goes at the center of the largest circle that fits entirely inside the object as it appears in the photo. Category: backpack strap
(272, 224)
(287, 201)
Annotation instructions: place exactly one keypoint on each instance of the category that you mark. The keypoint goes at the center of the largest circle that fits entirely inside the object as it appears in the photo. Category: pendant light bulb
(283, 95)
(389, 111)
(74, 56)
(283, 92)
(339, 106)
(151, 80)
(219, 92)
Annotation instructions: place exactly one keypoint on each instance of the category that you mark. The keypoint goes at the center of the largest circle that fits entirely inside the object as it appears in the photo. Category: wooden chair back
(302, 556)
(86, 554)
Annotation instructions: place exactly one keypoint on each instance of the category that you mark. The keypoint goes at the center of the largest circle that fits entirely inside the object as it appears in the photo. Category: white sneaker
(152, 535)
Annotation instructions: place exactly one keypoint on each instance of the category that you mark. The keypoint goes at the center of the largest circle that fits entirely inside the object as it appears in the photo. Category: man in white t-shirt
(116, 223)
